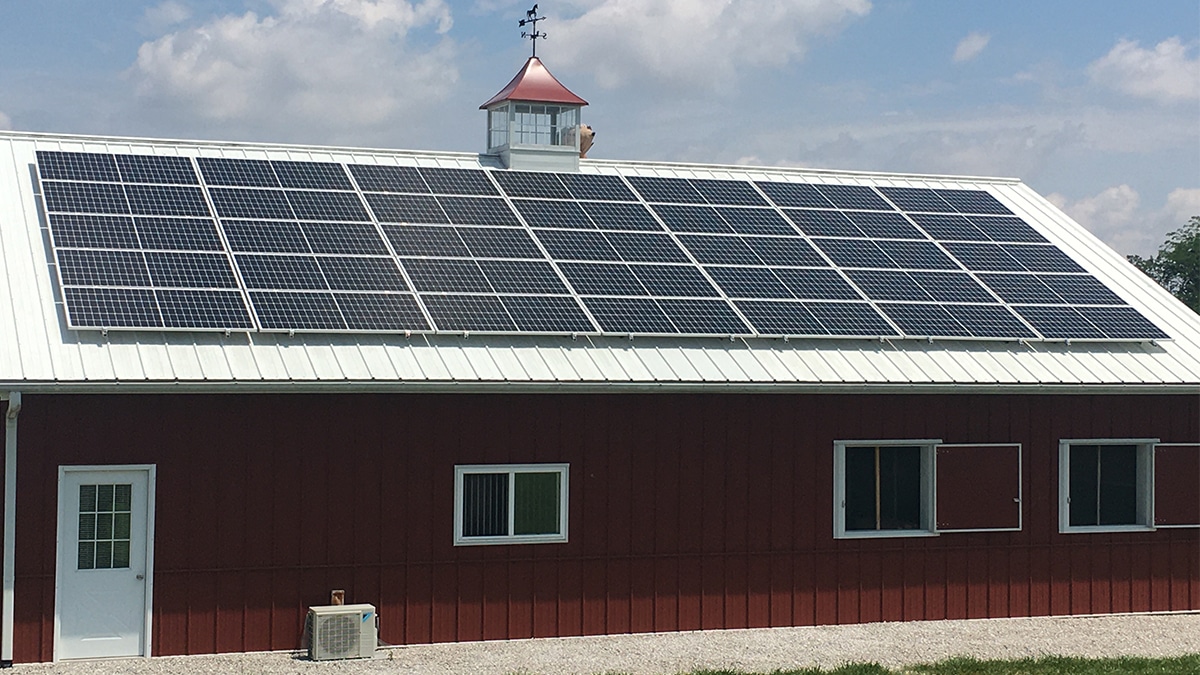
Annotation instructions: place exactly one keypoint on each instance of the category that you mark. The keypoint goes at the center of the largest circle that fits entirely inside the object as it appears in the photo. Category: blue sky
(1094, 103)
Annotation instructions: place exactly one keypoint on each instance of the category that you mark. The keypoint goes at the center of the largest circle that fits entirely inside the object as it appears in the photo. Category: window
(104, 513)
(1106, 485)
(537, 124)
(510, 504)
(883, 488)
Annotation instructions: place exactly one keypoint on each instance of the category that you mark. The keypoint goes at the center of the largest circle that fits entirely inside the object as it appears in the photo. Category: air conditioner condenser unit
(342, 632)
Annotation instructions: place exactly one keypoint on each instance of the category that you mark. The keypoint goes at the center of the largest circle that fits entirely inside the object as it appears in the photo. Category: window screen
(498, 504)
(1104, 483)
(883, 488)
(104, 518)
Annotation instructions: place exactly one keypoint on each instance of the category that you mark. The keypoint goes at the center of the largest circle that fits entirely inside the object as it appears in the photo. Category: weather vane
(531, 19)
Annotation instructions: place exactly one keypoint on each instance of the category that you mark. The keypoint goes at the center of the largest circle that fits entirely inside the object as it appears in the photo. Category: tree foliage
(1176, 266)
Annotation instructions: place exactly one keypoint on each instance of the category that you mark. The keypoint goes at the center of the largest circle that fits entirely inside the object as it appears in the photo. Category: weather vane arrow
(531, 19)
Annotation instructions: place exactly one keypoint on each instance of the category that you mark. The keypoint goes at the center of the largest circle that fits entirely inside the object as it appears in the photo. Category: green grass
(1046, 665)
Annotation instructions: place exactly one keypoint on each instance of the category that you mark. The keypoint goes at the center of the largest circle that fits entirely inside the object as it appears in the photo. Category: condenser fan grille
(338, 635)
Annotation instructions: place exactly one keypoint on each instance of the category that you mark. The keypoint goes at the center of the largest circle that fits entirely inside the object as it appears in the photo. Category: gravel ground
(766, 649)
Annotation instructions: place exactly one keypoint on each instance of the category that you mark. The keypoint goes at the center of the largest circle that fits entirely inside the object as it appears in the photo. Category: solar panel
(154, 169)
(780, 318)
(371, 178)
(1000, 228)
(668, 190)
(916, 255)
(951, 287)
(705, 317)
(949, 227)
(347, 238)
(886, 285)
(923, 319)
(1121, 322)
(280, 272)
(84, 166)
(478, 211)
(884, 225)
(1080, 289)
(296, 311)
(1037, 258)
(692, 218)
(733, 192)
(795, 194)
(390, 208)
(1020, 288)
(674, 281)
(542, 314)
(531, 184)
(380, 312)
(523, 276)
(165, 200)
(576, 245)
(629, 315)
(823, 223)
(265, 236)
(720, 250)
(312, 175)
(602, 279)
(620, 216)
(916, 199)
(846, 318)
(748, 282)
(112, 307)
(854, 197)
(242, 203)
(360, 273)
(791, 251)
(499, 242)
(469, 313)
(446, 276)
(308, 205)
(855, 253)
(93, 231)
(457, 181)
(92, 267)
(816, 284)
(180, 234)
(755, 221)
(95, 198)
(542, 213)
(426, 240)
(603, 188)
(988, 321)
(189, 270)
(237, 172)
(985, 257)
(1058, 322)
(187, 308)
(972, 201)
(645, 247)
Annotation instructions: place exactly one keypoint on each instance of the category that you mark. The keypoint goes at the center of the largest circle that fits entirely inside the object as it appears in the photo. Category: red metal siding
(686, 511)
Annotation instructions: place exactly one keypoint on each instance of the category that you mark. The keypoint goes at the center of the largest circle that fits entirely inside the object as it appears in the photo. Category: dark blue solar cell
(973, 201)
(478, 211)
(789, 251)
(756, 221)
(344, 206)
(345, 238)
(703, 317)
(984, 257)
(917, 199)
(854, 197)
(426, 240)
(795, 194)
(674, 281)
(155, 169)
(692, 219)
(192, 308)
(1059, 322)
(296, 311)
(264, 236)
(846, 318)
(816, 284)
(949, 228)
(917, 255)
(1021, 288)
(237, 172)
(748, 282)
(112, 308)
(542, 213)
(469, 313)
(531, 184)
(362, 274)
(380, 311)
(629, 315)
(457, 181)
(780, 318)
(280, 272)
(450, 276)
(887, 285)
(923, 320)
(1002, 228)
(576, 245)
(522, 276)
(601, 279)
(1037, 258)
(734, 192)
(93, 231)
(884, 225)
(179, 234)
(499, 242)
(824, 223)
(951, 287)
(645, 247)
(166, 200)
(544, 314)
(372, 178)
(102, 268)
(591, 186)
(989, 321)
(1122, 323)
(311, 175)
(720, 250)
(670, 190)
(854, 253)
(1080, 289)
(84, 166)
(85, 198)
(190, 270)
(239, 203)
(390, 208)
(620, 216)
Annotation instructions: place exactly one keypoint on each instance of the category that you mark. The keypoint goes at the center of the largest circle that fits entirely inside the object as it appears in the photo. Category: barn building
(520, 393)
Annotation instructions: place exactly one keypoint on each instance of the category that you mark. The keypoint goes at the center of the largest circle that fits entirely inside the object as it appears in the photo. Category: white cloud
(313, 68)
(1117, 217)
(971, 46)
(688, 44)
(162, 16)
(1166, 73)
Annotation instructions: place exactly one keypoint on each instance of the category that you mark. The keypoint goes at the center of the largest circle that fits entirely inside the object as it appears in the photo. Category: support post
(10, 527)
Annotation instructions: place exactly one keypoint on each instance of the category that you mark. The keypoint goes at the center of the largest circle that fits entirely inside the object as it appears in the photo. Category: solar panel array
(165, 242)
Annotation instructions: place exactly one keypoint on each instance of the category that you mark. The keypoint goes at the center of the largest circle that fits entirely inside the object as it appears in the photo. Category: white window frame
(1145, 486)
(928, 489)
(512, 470)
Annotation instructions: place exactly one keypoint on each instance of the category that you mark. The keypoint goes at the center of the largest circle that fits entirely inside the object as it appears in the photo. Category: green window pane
(87, 498)
(121, 526)
(120, 554)
(87, 526)
(536, 502)
(87, 555)
(123, 497)
(103, 555)
(104, 526)
(104, 498)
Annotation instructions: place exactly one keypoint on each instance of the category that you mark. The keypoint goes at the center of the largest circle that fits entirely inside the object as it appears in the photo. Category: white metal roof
(38, 352)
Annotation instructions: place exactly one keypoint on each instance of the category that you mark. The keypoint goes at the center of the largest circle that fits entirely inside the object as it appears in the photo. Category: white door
(102, 587)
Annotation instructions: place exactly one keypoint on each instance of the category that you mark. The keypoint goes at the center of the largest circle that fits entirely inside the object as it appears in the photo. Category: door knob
(141, 577)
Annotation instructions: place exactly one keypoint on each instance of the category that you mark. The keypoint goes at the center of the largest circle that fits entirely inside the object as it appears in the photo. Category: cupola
(533, 123)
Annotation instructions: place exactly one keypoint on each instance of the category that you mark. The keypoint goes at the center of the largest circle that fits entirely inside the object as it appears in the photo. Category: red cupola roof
(535, 84)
